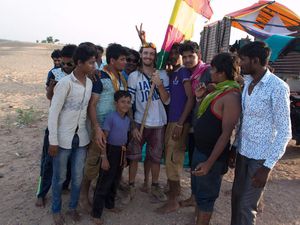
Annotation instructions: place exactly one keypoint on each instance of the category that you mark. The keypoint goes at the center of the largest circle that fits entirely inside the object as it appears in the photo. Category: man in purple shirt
(180, 107)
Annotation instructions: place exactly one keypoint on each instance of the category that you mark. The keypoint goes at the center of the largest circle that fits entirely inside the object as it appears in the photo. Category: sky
(104, 21)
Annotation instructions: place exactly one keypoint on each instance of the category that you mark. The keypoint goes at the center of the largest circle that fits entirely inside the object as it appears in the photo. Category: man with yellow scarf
(100, 105)
(217, 115)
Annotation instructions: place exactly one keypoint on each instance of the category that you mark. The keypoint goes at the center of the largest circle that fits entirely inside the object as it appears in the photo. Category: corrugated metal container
(215, 39)
(287, 66)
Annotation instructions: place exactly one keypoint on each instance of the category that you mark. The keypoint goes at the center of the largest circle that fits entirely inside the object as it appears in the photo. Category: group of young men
(192, 105)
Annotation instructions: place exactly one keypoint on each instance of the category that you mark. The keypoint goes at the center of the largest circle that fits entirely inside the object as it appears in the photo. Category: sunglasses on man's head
(148, 45)
(69, 64)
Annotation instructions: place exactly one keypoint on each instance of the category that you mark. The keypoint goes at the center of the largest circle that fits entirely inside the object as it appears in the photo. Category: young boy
(68, 135)
(113, 159)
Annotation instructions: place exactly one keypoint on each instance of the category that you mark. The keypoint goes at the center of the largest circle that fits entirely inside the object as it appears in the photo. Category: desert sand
(23, 71)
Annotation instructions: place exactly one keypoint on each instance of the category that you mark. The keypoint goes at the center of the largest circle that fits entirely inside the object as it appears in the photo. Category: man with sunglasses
(132, 61)
(139, 84)
(54, 76)
(67, 66)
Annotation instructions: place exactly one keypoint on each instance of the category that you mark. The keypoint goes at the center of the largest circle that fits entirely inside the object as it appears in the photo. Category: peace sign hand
(141, 33)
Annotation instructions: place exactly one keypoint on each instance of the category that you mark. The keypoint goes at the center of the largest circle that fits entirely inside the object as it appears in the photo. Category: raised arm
(141, 33)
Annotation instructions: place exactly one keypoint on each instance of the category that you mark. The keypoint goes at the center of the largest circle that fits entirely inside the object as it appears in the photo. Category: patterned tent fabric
(264, 11)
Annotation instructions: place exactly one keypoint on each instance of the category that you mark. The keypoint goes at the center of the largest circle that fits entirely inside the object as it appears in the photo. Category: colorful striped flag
(181, 24)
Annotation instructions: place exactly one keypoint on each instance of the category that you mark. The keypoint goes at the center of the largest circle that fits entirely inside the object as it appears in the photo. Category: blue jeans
(46, 170)
(60, 161)
(206, 188)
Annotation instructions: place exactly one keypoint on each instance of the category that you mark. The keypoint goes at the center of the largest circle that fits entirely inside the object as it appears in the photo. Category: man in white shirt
(67, 65)
(264, 133)
(68, 135)
(139, 84)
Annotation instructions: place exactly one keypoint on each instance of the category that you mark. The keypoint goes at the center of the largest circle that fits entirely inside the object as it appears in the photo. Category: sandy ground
(23, 70)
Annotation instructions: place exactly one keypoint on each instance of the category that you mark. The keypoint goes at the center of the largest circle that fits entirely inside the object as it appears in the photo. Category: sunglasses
(132, 60)
(69, 64)
(149, 45)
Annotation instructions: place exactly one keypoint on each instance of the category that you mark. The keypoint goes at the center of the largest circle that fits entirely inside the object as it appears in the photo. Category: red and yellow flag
(181, 24)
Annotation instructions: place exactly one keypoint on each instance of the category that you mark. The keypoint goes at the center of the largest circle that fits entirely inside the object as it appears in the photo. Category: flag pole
(149, 100)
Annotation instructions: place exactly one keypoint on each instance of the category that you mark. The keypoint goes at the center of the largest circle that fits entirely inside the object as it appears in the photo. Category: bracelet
(180, 126)
(103, 156)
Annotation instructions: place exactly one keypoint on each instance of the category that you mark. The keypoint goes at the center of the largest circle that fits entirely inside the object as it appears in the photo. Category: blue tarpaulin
(278, 43)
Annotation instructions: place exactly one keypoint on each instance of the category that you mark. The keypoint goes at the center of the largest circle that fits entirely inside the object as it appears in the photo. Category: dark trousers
(245, 197)
(45, 179)
(191, 147)
(108, 182)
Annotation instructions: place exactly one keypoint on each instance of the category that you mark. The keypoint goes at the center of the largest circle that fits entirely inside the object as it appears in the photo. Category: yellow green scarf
(114, 80)
(220, 88)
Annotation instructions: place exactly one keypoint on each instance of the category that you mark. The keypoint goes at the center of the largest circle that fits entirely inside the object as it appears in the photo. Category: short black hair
(189, 46)
(120, 94)
(114, 51)
(90, 44)
(227, 63)
(83, 53)
(68, 51)
(134, 53)
(56, 54)
(176, 46)
(99, 48)
(256, 49)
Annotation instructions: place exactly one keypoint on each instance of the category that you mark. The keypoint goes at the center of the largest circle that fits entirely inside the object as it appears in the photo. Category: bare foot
(98, 221)
(74, 215)
(144, 188)
(58, 219)
(115, 210)
(85, 205)
(40, 202)
(261, 206)
(170, 206)
(188, 202)
(227, 193)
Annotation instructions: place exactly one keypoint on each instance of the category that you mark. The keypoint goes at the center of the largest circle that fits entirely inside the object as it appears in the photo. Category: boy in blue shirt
(113, 159)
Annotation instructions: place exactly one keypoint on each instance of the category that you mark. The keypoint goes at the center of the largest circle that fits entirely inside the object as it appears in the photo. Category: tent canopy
(260, 16)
